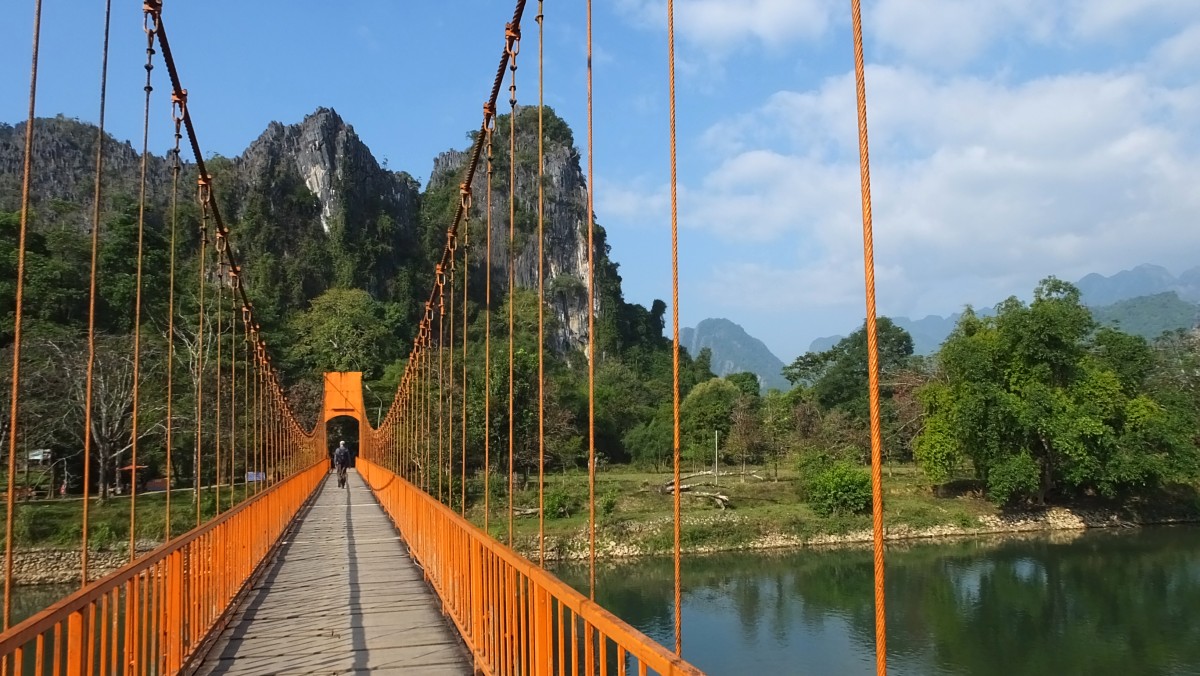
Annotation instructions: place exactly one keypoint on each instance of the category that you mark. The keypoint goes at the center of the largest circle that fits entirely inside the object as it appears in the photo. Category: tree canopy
(1041, 403)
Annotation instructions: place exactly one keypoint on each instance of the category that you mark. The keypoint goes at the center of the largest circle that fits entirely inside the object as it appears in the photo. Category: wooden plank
(341, 596)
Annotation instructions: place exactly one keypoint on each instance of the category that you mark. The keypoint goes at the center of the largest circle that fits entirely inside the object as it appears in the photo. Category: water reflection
(30, 599)
(1103, 603)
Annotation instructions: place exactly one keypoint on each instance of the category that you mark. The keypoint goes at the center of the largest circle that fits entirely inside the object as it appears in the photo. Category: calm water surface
(30, 599)
(1104, 602)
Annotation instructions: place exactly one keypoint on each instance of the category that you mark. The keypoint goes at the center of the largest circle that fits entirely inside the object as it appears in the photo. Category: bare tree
(112, 397)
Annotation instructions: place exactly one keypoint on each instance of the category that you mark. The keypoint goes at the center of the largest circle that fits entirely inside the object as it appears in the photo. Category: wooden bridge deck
(341, 596)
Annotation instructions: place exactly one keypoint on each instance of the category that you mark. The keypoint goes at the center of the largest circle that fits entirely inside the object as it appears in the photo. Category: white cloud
(1181, 52)
(722, 24)
(632, 202)
(981, 187)
(946, 34)
(1092, 19)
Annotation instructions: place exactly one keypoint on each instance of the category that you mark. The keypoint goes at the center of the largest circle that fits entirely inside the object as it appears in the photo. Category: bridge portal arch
(343, 399)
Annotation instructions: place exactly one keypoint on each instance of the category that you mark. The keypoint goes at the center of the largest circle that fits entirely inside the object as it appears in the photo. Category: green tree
(838, 376)
(343, 330)
(746, 382)
(1041, 404)
(707, 408)
(777, 426)
(747, 440)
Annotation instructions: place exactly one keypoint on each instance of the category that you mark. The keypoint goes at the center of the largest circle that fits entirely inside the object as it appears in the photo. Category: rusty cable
(675, 328)
(513, 37)
(541, 299)
(256, 442)
(489, 125)
(465, 202)
(204, 193)
(591, 294)
(450, 390)
(91, 359)
(427, 432)
(217, 467)
(19, 297)
(177, 103)
(872, 342)
(246, 415)
(234, 282)
(482, 139)
(229, 254)
(441, 369)
(150, 20)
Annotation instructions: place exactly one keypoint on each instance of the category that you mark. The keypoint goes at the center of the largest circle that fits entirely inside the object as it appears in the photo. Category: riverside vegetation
(1034, 407)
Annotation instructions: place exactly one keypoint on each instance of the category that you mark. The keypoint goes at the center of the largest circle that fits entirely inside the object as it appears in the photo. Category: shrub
(608, 503)
(102, 536)
(840, 489)
(559, 503)
(1013, 479)
(810, 464)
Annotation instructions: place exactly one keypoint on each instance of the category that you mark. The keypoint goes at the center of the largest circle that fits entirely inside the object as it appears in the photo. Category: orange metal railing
(515, 617)
(151, 616)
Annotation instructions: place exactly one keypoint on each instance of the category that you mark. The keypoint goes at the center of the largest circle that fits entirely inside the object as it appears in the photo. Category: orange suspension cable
(210, 206)
(256, 422)
(234, 282)
(150, 25)
(541, 303)
(441, 368)
(465, 204)
(429, 383)
(513, 35)
(246, 411)
(427, 403)
(177, 104)
(591, 219)
(675, 326)
(204, 188)
(450, 243)
(872, 343)
(489, 125)
(217, 398)
(19, 296)
(91, 359)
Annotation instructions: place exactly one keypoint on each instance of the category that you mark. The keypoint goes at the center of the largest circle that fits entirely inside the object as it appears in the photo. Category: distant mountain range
(734, 351)
(1146, 300)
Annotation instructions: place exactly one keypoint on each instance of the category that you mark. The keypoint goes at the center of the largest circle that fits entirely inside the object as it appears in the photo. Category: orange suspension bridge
(248, 590)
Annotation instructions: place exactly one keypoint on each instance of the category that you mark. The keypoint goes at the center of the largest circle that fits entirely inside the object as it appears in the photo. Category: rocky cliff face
(64, 169)
(347, 220)
(311, 208)
(565, 226)
(333, 163)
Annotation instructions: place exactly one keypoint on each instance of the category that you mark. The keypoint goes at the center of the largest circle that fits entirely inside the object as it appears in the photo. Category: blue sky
(1011, 139)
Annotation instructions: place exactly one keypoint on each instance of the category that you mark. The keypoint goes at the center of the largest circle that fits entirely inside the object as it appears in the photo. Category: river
(1123, 602)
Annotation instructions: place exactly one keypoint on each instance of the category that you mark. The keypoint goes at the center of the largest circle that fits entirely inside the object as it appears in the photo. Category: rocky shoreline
(46, 565)
(1053, 520)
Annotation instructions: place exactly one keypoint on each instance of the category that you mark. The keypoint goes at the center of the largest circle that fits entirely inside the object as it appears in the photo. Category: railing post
(75, 643)
(173, 627)
(477, 601)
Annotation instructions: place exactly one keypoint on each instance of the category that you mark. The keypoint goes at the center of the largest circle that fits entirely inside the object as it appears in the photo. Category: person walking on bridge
(341, 460)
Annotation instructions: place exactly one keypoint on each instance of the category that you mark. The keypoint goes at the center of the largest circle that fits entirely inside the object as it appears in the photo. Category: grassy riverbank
(59, 523)
(635, 518)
